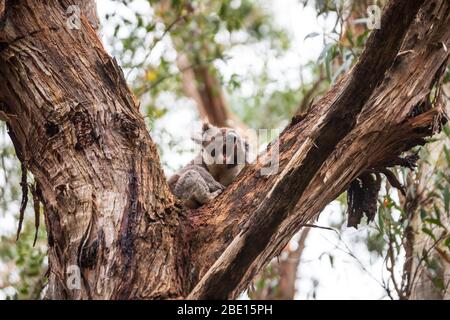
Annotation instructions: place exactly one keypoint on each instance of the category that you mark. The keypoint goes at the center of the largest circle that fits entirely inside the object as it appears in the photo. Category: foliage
(21, 265)
(24, 275)
(416, 228)
(204, 31)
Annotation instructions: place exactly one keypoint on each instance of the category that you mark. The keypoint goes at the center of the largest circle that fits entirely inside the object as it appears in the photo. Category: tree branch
(349, 130)
(109, 214)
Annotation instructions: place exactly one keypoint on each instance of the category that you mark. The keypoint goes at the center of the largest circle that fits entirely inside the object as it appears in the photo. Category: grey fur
(198, 182)
(195, 185)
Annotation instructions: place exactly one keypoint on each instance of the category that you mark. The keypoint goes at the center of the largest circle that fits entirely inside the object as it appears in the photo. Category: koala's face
(223, 146)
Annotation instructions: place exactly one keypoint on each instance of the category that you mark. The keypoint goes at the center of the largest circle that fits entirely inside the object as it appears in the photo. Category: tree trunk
(201, 86)
(77, 128)
(108, 211)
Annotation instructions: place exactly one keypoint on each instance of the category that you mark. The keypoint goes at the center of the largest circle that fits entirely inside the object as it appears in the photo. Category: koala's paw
(220, 186)
(217, 187)
(215, 194)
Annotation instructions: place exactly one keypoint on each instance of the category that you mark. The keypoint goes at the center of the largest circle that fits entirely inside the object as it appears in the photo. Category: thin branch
(156, 41)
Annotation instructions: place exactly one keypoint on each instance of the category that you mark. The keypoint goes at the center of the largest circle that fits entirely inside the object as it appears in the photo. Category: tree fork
(383, 128)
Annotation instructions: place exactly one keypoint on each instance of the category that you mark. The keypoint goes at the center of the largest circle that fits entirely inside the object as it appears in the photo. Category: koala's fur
(217, 165)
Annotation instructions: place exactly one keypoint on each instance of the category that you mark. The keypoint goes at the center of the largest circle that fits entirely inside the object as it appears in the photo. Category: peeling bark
(77, 128)
(387, 86)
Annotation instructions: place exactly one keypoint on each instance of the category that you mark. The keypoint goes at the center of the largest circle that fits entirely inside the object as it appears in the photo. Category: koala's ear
(247, 152)
(197, 138)
(206, 126)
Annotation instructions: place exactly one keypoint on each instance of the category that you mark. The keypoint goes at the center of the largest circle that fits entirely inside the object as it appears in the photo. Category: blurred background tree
(230, 62)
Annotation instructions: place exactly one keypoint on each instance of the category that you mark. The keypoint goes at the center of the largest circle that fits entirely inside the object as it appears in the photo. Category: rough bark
(77, 128)
(363, 132)
(200, 84)
(89, 9)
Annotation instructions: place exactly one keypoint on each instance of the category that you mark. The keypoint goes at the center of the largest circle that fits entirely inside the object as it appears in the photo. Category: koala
(223, 155)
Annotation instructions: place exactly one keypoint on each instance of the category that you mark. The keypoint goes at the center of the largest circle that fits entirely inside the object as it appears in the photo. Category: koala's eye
(213, 153)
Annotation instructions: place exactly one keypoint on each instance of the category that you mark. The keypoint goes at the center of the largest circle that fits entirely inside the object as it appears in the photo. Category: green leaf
(423, 214)
(447, 242)
(380, 219)
(447, 154)
(324, 52)
(434, 221)
(437, 211)
(312, 35)
(429, 232)
(331, 257)
(447, 130)
(438, 283)
(446, 196)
